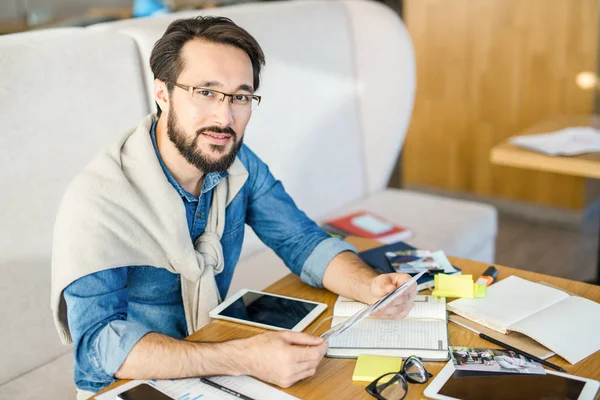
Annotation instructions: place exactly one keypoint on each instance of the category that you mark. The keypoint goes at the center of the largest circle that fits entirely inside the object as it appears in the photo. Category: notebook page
(507, 302)
(428, 307)
(345, 307)
(570, 328)
(394, 334)
(425, 307)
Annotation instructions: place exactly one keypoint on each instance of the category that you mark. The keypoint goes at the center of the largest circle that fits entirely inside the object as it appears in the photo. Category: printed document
(193, 388)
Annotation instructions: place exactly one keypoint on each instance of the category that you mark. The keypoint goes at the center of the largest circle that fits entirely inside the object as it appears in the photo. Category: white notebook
(568, 325)
(424, 333)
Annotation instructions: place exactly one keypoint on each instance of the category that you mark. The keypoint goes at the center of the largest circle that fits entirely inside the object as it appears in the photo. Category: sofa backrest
(63, 94)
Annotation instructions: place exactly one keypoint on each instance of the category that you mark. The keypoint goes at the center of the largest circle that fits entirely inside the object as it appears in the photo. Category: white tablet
(267, 310)
(554, 385)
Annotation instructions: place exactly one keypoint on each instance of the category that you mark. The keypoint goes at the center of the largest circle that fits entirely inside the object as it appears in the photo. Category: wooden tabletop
(585, 165)
(333, 379)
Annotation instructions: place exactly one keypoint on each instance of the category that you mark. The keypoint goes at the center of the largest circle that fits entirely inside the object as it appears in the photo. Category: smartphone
(143, 392)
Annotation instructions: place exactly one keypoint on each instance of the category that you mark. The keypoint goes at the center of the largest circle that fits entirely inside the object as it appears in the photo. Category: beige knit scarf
(122, 211)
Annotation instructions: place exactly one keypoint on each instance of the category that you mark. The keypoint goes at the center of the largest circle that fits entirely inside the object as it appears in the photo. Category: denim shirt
(110, 311)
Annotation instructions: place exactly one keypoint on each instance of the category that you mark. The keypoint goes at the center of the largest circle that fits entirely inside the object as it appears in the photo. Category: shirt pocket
(235, 219)
(148, 284)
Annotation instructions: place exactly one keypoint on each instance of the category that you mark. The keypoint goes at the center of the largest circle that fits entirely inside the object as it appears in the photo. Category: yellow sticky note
(457, 286)
(462, 285)
(368, 367)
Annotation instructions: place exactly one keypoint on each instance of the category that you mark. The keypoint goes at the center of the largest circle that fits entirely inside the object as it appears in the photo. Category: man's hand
(401, 305)
(349, 276)
(283, 358)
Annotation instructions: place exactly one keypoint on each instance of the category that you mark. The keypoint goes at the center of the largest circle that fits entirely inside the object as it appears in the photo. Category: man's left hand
(401, 305)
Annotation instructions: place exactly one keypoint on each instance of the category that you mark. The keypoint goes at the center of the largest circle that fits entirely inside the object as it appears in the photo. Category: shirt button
(199, 215)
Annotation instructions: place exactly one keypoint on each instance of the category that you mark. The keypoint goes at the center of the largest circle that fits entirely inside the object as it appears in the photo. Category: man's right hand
(282, 358)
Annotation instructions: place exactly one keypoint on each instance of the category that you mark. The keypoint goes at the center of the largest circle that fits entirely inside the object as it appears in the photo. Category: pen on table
(225, 389)
(509, 347)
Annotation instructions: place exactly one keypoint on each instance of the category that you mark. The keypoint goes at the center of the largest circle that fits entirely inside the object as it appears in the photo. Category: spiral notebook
(423, 333)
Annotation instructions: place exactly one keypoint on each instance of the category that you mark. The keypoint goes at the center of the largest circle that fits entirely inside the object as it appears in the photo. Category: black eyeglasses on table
(394, 386)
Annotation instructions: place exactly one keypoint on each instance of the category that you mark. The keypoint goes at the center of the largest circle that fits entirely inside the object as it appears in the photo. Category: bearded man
(149, 233)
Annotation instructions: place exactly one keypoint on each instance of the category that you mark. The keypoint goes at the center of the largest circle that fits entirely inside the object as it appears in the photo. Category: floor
(554, 249)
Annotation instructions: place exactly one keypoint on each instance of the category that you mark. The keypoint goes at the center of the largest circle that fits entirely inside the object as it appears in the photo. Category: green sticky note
(368, 367)
(479, 290)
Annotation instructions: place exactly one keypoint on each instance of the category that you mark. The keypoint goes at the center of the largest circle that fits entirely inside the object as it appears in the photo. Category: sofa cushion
(53, 380)
(65, 94)
(28, 334)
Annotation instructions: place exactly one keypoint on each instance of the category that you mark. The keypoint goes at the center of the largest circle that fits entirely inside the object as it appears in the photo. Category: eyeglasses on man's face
(207, 97)
(394, 386)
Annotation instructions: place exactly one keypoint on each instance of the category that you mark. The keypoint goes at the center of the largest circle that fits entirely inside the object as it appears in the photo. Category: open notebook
(424, 333)
(568, 325)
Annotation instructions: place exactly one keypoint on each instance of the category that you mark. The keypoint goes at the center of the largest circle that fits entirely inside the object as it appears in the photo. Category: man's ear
(161, 94)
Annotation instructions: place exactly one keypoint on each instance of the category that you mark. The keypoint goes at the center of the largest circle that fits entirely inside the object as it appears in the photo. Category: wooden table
(584, 165)
(333, 379)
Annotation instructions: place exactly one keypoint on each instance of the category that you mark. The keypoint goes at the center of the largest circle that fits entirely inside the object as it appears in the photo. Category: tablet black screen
(513, 386)
(268, 310)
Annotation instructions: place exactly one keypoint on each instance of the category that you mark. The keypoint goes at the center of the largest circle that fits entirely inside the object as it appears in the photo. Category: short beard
(188, 148)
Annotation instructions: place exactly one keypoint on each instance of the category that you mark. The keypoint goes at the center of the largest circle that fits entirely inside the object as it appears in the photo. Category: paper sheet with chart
(194, 389)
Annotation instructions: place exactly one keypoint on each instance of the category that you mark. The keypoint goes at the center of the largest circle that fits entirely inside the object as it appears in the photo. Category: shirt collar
(210, 180)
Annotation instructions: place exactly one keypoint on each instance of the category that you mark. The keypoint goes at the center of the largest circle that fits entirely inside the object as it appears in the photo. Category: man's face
(207, 132)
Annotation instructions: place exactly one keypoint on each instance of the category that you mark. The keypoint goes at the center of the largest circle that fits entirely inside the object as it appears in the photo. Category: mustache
(217, 129)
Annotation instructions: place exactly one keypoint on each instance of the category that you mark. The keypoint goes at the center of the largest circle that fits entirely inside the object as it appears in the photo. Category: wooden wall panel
(487, 70)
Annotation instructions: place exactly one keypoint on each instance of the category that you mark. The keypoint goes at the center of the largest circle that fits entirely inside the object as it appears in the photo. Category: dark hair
(166, 61)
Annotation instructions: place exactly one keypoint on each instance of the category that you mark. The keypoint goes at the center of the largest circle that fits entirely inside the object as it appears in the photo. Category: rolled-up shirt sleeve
(97, 315)
(317, 262)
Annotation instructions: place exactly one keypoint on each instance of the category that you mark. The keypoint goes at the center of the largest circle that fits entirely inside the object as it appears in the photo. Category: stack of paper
(568, 142)
(514, 339)
(457, 286)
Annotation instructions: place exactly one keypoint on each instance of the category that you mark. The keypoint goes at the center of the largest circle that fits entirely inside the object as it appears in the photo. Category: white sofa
(338, 92)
